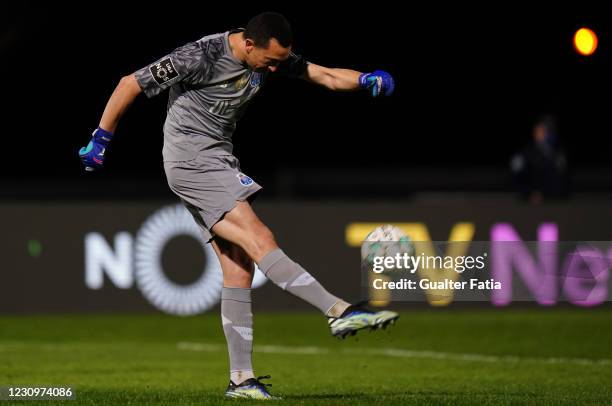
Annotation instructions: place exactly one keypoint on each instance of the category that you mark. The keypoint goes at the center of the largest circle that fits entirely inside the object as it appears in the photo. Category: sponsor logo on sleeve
(163, 71)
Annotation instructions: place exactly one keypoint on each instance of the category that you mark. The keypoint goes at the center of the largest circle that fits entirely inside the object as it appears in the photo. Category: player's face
(263, 59)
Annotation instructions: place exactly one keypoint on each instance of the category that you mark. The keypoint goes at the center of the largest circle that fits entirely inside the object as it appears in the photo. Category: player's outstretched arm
(124, 94)
(379, 83)
(332, 78)
(122, 97)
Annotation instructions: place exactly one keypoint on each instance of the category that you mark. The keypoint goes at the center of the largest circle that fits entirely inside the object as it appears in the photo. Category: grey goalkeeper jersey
(209, 90)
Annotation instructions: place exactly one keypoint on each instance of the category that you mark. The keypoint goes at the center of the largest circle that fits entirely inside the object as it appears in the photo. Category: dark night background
(471, 79)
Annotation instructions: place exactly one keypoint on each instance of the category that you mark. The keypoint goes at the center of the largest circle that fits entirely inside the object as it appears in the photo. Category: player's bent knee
(260, 243)
(264, 239)
(238, 275)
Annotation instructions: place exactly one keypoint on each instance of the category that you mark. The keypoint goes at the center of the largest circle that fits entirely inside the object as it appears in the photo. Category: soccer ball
(385, 241)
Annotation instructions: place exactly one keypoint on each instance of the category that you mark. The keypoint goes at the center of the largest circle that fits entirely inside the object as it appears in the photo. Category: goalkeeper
(210, 83)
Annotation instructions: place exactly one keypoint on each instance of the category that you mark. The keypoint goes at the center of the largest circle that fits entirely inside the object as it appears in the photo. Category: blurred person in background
(540, 168)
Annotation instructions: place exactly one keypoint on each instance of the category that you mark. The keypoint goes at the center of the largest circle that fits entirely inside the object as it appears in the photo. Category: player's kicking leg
(242, 227)
(237, 319)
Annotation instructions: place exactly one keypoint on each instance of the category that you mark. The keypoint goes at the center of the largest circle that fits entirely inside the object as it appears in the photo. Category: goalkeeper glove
(379, 83)
(92, 155)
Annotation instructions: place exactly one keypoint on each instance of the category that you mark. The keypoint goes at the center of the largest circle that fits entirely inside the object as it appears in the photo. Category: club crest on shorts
(244, 179)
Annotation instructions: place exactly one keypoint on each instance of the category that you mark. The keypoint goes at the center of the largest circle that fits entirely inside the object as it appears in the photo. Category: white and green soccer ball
(386, 241)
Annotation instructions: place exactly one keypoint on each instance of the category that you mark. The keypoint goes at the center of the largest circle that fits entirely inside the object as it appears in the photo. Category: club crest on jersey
(163, 71)
(256, 79)
(244, 179)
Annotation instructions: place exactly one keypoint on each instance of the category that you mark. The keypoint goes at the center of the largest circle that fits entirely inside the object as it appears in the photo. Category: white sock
(337, 309)
(237, 321)
(240, 376)
(290, 276)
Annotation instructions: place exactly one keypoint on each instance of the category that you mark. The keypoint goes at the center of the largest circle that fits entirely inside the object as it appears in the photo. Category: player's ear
(249, 44)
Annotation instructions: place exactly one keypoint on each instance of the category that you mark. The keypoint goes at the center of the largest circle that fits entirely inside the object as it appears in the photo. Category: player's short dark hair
(266, 26)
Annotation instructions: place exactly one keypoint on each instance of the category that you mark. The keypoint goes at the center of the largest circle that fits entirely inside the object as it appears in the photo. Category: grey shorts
(210, 187)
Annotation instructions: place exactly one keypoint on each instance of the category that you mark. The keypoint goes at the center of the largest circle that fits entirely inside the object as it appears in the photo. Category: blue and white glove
(92, 155)
(379, 83)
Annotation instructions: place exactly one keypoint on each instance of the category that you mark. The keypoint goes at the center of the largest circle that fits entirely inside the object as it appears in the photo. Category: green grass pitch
(436, 356)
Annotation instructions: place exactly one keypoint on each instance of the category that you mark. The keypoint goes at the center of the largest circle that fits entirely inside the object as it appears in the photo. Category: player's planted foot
(252, 388)
(357, 317)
